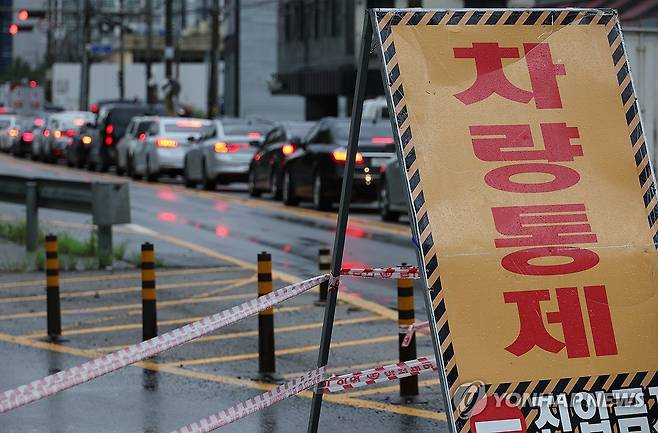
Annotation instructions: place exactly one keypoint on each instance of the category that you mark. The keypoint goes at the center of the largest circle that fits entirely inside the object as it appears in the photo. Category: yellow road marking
(244, 334)
(174, 302)
(226, 380)
(288, 351)
(135, 288)
(120, 276)
(113, 328)
(345, 368)
(389, 388)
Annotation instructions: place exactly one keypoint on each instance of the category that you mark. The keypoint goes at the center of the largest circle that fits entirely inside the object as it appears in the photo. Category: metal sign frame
(378, 22)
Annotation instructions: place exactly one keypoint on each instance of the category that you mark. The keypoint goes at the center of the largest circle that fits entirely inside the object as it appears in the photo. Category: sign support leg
(31, 216)
(343, 213)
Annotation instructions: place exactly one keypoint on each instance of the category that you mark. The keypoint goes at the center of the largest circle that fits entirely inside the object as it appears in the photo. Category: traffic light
(25, 14)
(15, 28)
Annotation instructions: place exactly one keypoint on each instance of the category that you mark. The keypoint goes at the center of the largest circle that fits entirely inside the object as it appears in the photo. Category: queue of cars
(291, 161)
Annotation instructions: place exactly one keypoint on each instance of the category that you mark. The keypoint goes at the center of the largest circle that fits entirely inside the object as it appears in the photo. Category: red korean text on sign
(491, 77)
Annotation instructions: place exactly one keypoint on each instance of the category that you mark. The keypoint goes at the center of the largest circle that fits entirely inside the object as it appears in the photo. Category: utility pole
(169, 55)
(236, 11)
(86, 46)
(149, 52)
(213, 109)
(122, 53)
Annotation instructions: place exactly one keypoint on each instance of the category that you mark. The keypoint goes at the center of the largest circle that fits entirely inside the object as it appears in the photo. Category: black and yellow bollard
(324, 265)
(54, 312)
(406, 317)
(266, 362)
(149, 313)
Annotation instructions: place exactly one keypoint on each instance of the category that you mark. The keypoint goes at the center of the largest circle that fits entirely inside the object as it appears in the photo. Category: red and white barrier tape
(87, 371)
(247, 407)
(309, 380)
(410, 330)
(409, 272)
(378, 374)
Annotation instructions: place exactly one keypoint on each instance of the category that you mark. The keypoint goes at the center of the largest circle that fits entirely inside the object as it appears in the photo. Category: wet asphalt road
(236, 227)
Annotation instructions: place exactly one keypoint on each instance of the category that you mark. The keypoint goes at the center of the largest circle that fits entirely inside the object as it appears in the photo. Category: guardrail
(108, 203)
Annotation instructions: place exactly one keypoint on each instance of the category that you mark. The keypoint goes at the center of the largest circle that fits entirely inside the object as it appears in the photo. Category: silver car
(392, 196)
(135, 133)
(165, 144)
(59, 133)
(8, 131)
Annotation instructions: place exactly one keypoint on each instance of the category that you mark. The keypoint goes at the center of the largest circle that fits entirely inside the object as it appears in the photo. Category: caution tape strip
(90, 370)
(312, 378)
(410, 330)
(408, 272)
(247, 407)
(375, 375)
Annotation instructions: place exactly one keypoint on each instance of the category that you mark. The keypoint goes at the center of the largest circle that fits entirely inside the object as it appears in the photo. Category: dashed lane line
(288, 351)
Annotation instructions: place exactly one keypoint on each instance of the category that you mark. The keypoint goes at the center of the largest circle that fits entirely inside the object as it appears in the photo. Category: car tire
(320, 199)
(384, 203)
(207, 183)
(189, 183)
(253, 190)
(275, 186)
(148, 173)
(289, 197)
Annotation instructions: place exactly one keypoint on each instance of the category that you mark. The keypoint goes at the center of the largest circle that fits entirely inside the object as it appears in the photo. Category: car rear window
(188, 126)
(379, 132)
(253, 130)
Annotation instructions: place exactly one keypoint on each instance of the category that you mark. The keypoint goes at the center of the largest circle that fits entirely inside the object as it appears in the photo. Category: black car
(266, 170)
(315, 171)
(110, 126)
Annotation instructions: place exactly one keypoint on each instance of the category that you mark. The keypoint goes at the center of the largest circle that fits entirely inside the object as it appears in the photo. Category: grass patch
(72, 250)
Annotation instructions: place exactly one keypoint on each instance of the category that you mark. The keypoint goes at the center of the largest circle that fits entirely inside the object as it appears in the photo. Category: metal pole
(104, 245)
(149, 51)
(31, 216)
(53, 311)
(149, 312)
(169, 55)
(237, 58)
(86, 43)
(266, 358)
(324, 266)
(122, 53)
(212, 106)
(343, 213)
(406, 317)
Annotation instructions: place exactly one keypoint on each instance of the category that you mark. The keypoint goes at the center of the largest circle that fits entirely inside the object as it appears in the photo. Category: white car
(226, 158)
(59, 134)
(165, 144)
(8, 131)
(135, 133)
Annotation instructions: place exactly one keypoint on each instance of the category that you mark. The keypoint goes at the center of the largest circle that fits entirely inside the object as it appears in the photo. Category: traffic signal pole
(86, 43)
(212, 106)
(169, 55)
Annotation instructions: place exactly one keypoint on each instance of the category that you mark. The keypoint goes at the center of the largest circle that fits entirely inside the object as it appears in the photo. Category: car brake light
(46, 132)
(13, 132)
(382, 140)
(69, 132)
(108, 141)
(221, 147)
(189, 123)
(142, 136)
(78, 122)
(109, 129)
(86, 139)
(288, 149)
(94, 108)
(340, 155)
(57, 133)
(28, 136)
(166, 142)
(38, 121)
(254, 135)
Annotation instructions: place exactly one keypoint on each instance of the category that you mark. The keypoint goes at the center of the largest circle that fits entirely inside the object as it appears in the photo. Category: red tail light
(221, 147)
(254, 135)
(166, 142)
(109, 129)
(94, 108)
(340, 156)
(69, 132)
(28, 136)
(382, 140)
(38, 121)
(108, 141)
(46, 132)
(142, 136)
(288, 149)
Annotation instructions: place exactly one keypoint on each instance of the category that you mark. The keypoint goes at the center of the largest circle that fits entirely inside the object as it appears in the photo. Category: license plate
(378, 162)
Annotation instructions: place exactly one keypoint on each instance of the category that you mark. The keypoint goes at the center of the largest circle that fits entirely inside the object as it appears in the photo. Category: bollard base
(407, 400)
(54, 339)
(320, 303)
(269, 378)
